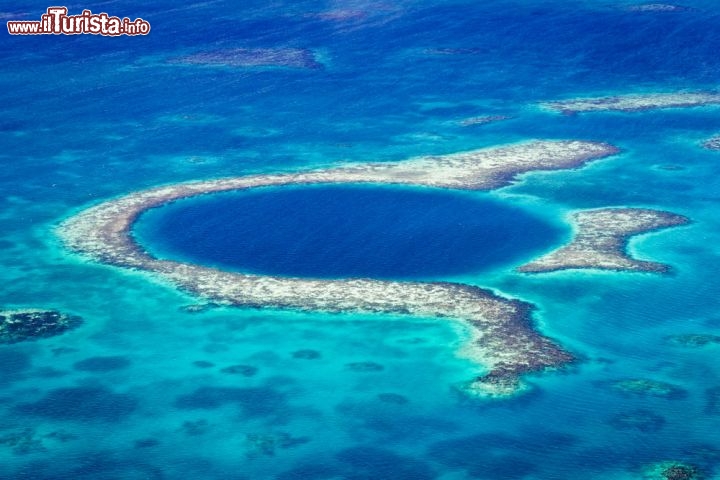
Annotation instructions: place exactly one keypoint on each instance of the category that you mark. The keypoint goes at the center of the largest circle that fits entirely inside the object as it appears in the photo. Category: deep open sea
(145, 389)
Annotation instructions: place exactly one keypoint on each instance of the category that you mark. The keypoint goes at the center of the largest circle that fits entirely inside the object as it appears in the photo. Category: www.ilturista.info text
(57, 22)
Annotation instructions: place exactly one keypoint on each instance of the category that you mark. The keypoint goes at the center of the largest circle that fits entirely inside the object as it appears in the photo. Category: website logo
(56, 21)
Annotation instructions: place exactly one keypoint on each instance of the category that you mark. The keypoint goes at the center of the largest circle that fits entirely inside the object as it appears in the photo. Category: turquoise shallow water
(144, 390)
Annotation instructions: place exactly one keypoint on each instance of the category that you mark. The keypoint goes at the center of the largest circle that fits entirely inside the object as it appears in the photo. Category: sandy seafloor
(89, 118)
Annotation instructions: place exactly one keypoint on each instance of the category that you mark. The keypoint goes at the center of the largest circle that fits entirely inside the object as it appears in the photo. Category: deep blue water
(348, 231)
(146, 389)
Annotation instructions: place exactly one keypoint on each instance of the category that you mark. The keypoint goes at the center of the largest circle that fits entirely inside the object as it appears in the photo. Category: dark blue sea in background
(146, 389)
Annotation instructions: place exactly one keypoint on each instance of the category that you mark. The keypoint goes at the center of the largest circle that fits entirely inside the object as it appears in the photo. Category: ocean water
(145, 389)
(346, 231)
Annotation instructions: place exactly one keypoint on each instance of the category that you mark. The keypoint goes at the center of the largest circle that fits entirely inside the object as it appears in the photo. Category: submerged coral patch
(203, 364)
(672, 471)
(642, 420)
(306, 354)
(242, 370)
(657, 7)
(32, 324)
(82, 404)
(393, 398)
(253, 402)
(252, 57)
(648, 387)
(634, 103)
(712, 143)
(365, 367)
(102, 364)
(693, 340)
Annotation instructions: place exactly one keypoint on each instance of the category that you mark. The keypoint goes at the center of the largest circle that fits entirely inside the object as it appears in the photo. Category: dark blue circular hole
(345, 231)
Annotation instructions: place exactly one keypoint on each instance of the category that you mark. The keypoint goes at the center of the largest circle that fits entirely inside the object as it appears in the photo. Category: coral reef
(600, 239)
(32, 324)
(634, 103)
(503, 338)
